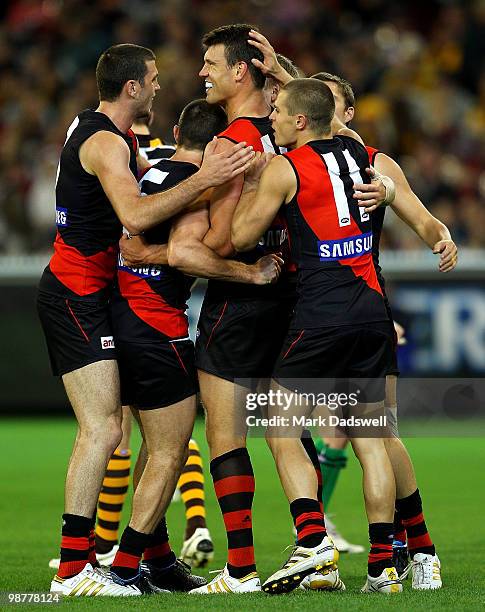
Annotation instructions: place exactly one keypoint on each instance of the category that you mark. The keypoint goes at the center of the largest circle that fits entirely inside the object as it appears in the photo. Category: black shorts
(77, 332)
(156, 374)
(241, 338)
(338, 352)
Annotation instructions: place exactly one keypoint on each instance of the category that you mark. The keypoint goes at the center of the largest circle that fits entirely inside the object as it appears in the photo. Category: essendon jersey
(86, 245)
(156, 294)
(153, 149)
(258, 133)
(331, 237)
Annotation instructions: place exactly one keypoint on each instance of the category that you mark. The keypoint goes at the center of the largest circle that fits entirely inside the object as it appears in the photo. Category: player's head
(128, 72)
(272, 87)
(198, 123)
(304, 107)
(227, 62)
(343, 94)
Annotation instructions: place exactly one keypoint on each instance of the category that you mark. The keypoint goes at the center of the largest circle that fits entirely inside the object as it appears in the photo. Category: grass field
(451, 476)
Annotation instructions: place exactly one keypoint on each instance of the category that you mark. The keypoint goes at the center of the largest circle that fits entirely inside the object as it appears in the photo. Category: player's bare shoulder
(100, 149)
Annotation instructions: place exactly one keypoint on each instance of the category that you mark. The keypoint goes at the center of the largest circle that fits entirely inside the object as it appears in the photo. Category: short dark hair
(234, 37)
(313, 99)
(344, 86)
(119, 64)
(289, 66)
(199, 122)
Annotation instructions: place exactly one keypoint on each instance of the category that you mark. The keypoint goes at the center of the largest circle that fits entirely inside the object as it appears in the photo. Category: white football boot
(302, 562)
(323, 581)
(92, 583)
(104, 559)
(224, 583)
(426, 570)
(388, 582)
(198, 550)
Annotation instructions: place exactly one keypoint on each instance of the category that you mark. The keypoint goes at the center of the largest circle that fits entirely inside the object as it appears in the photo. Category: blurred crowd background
(417, 69)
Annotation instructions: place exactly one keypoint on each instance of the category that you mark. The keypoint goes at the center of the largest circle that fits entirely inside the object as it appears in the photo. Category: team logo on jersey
(107, 342)
(61, 216)
(153, 272)
(345, 248)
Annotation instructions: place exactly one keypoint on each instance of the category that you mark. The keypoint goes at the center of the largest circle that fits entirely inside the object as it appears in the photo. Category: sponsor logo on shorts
(274, 237)
(152, 272)
(107, 342)
(345, 248)
(61, 216)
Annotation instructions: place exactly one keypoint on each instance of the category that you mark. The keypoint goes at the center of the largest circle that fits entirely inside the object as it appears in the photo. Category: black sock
(380, 555)
(309, 522)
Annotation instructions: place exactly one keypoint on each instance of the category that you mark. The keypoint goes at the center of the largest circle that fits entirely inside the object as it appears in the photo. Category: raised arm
(107, 156)
(267, 187)
(269, 66)
(188, 253)
(412, 211)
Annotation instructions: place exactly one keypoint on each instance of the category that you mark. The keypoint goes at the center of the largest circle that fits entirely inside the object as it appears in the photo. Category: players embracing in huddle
(267, 313)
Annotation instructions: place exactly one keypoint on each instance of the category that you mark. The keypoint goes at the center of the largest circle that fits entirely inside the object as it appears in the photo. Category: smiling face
(146, 90)
(218, 76)
(284, 125)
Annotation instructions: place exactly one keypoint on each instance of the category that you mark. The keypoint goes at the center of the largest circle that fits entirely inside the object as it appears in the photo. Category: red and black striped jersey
(83, 265)
(257, 132)
(331, 237)
(156, 294)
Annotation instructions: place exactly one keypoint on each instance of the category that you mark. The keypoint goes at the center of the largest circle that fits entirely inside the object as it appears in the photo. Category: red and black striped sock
(92, 545)
(311, 451)
(309, 522)
(233, 478)
(399, 529)
(74, 544)
(158, 551)
(380, 555)
(127, 560)
(411, 512)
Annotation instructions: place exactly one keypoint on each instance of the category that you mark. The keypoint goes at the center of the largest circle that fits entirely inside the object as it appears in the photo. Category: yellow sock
(191, 485)
(111, 500)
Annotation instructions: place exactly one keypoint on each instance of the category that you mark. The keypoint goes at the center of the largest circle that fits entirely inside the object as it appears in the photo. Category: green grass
(450, 472)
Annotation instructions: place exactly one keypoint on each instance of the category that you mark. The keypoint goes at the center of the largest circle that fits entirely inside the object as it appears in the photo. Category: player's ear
(301, 122)
(130, 87)
(176, 132)
(241, 68)
(274, 92)
(349, 114)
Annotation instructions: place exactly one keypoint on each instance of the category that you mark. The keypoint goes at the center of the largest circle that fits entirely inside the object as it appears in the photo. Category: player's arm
(107, 156)
(266, 187)
(412, 211)
(142, 163)
(222, 204)
(188, 253)
(269, 66)
(137, 252)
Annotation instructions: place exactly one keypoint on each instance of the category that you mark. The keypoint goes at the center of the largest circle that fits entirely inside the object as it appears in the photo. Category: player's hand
(255, 170)
(400, 333)
(371, 196)
(267, 269)
(218, 168)
(269, 66)
(448, 255)
(134, 250)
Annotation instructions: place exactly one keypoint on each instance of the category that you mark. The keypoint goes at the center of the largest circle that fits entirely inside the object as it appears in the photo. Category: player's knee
(106, 433)
(221, 442)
